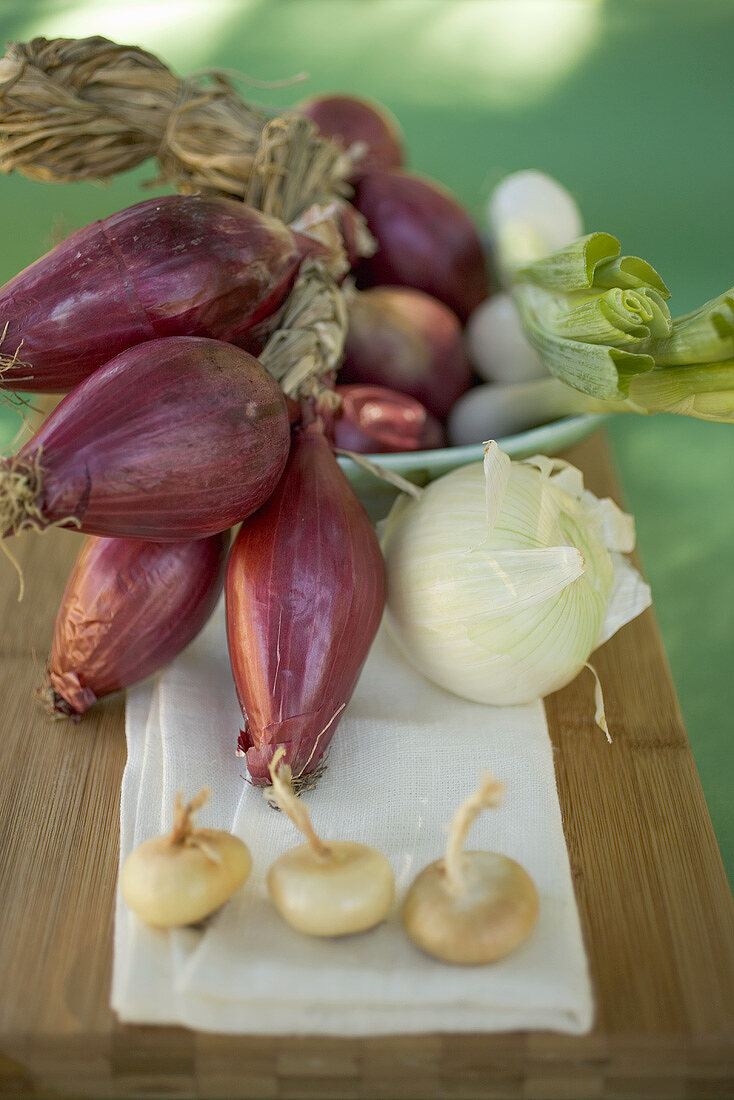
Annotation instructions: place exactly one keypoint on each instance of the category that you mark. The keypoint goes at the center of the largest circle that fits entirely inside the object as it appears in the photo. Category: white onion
(535, 207)
(494, 411)
(497, 345)
(500, 575)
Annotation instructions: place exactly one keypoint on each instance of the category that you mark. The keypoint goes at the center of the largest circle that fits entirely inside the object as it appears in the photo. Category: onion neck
(489, 793)
(295, 167)
(183, 817)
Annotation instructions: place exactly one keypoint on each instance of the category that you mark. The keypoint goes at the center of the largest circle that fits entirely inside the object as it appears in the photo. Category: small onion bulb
(321, 888)
(496, 410)
(497, 345)
(186, 875)
(534, 213)
(471, 907)
(500, 577)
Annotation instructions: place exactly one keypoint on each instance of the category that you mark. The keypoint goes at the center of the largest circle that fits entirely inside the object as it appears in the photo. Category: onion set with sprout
(186, 875)
(325, 888)
(471, 908)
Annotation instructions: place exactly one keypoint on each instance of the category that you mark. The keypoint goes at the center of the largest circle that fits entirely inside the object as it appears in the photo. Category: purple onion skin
(375, 420)
(173, 439)
(129, 608)
(407, 341)
(347, 119)
(305, 590)
(425, 240)
(174, 266)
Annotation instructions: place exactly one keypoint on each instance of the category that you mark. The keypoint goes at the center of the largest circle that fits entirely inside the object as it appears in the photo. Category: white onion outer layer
(500, 576)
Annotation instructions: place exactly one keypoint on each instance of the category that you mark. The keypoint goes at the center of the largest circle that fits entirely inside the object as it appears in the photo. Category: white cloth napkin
(405, 754)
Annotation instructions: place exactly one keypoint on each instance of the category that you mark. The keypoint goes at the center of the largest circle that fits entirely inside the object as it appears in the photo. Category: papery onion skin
(180, 265)
(348, 119)
(305, 590)
(408, 341)
(376, 420)
(171, 440)
(443, 583)
(425, 239)
(129, 608)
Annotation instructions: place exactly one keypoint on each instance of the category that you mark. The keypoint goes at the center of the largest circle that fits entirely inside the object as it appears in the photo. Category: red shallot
(129, 608)
(305, 590)
(425, 239)
(376, 420)
(180, 265)
(172, 439)
(348, 119)
(406, 340)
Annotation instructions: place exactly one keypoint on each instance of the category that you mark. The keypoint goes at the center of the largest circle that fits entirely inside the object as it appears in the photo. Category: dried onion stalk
(88, 108)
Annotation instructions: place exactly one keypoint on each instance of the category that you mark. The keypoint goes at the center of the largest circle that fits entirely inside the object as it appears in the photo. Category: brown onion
(348, 119)
(173, 439)
(180, 265)
(128, 609)
(374, 420)
(425, 239)
(407, 341)
(305, 590)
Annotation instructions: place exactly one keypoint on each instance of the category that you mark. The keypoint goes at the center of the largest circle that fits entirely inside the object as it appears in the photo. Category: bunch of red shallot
(198, 339)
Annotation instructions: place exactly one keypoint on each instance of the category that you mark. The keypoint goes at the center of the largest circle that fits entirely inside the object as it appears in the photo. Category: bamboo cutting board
(656, 910)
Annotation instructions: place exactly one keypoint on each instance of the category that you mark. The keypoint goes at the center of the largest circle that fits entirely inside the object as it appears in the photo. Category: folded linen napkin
(406, 753)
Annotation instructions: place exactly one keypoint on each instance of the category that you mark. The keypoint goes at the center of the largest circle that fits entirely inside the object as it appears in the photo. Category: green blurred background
(629, 104)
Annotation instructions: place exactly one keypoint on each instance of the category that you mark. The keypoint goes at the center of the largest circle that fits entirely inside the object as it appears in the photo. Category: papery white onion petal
(599, 715)
(618, 527)
(520, 578)
(496, 476)
(629, 597)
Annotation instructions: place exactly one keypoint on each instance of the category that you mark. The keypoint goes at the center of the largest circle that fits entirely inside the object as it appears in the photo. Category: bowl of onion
(421, 393)
(437, 359)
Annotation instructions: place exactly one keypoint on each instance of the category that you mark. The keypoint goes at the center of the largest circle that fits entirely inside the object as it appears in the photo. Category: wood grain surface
(656, 910)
